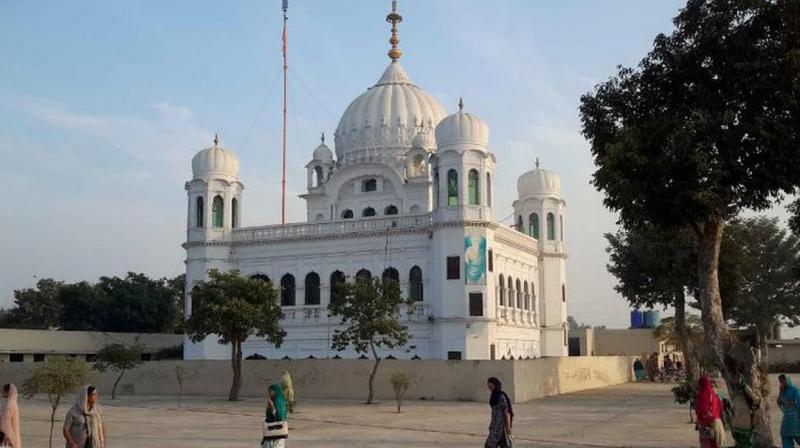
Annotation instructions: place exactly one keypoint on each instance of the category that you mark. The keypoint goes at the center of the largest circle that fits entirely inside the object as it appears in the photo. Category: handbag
(275, 430)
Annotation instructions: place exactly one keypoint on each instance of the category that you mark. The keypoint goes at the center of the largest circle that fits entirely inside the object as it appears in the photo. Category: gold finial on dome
(394, 18)
(216, 140)
(460, 104)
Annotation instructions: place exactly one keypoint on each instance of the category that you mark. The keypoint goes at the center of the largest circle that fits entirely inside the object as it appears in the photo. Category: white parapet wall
(347, 378)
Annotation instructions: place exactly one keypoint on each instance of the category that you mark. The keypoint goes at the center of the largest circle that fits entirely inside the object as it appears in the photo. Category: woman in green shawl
(276, 412)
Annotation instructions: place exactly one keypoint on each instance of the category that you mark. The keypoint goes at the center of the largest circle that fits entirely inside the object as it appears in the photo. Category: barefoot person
(83, 425)
(9, 418)
(502, 416)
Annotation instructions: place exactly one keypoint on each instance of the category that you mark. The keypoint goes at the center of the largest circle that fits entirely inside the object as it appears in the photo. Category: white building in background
(407, 196)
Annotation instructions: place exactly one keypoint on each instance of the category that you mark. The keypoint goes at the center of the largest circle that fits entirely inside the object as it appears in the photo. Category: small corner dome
(323, 154)
(462, 128)
(215, 161)
(538, 182)
(424, 139)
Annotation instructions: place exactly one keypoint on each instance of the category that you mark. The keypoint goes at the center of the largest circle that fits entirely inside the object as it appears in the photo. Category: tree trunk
(114, 389)
(721, 350)
(370, 398)
(236, 363)
(687, 346)
(52, 423)
(399, 402)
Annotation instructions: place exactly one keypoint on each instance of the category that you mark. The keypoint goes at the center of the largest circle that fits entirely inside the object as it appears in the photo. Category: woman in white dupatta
(83, 425)
(9, 418)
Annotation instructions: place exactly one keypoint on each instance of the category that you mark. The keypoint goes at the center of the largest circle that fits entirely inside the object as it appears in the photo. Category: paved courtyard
(631, 415)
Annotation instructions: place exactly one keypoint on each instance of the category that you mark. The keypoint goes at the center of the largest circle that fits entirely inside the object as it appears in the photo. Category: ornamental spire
(460, 104)
(322, 139)
(216, 140)
(394, 18)
(537, 163)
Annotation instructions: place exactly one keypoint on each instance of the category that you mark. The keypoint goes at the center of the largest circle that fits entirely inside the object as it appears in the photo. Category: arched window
(502, 283)
(436, 187)
(338, 280)
(519, 294)
(391, 274)
(347, 214)
(473, 181)
(414, 209)
(363, 274)
(418, 168)
(318, 175)
(561, 226)
(287, 290)
(199, 210)
(369, 211)
(312, 288)
(527, 297)
(452, 188)
(488, 189)
(510, 292)
(368, 185)
(390, 210)
(216, 212)
(415, 289)
(319, 217)
(533, 225)
(263, 277)
(235, 213)
(551, 226)
(533, 297)
(520, 225)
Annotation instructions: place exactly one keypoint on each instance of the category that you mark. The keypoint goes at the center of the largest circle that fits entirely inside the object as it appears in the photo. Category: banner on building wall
(475, 258)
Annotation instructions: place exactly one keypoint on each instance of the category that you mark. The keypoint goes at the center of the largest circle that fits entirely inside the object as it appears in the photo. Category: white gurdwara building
(408, 196)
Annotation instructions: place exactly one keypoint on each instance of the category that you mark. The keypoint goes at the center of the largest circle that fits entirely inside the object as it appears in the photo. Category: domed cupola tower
(214, 210)
(463, 167)
(539, 212)
(319, 169)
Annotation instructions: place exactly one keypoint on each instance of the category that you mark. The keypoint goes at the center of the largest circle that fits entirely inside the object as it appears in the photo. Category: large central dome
(381, 122)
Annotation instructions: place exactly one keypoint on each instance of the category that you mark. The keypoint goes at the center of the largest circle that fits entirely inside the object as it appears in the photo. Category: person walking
(9, 418)
(276, 412)
(638, 370)
(500, 435)
(83, 425)
(743, 403)
(708, 408)
(788, 401)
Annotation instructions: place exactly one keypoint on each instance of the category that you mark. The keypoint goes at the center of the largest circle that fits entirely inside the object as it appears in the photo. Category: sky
(103, 104)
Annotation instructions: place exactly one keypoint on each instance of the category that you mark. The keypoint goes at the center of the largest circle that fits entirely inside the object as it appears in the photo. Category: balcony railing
(314, 314)
(331, 228)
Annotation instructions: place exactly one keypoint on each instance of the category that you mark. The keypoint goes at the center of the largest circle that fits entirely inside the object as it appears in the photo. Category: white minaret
(539, 212)
(319, 171)
(463, 168)
(214, 210)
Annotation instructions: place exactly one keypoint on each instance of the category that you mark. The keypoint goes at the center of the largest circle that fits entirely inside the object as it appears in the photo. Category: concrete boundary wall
(347, 379)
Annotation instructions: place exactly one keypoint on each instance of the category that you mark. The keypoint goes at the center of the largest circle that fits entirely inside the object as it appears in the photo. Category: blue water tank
(636, 319)
(651, 319)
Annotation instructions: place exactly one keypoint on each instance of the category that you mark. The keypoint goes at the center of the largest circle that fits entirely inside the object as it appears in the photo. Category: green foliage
(118, 358)
(665, 331)
(400, 383)
(37, 307)
(135, 304)
(56, 378)
(707, 124)
(369, 310)
(234, 307)
(370, 313)
(768, 274)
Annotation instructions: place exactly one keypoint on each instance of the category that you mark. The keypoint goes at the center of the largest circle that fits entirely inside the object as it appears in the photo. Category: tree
(770, 284)
(38, 307)
(400, 383)
(656, 269)
(56, 378)
(82, 307)
(138, 304)
(234, 307)
(369, 310)
(705, 127)
(119, 358)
